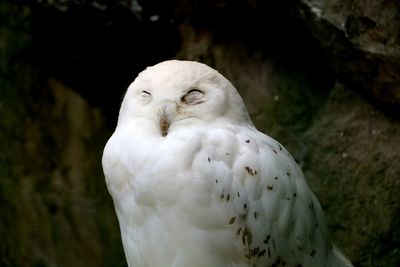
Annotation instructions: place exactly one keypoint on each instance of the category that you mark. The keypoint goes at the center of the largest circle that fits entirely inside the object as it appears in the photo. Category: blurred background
(320, 76)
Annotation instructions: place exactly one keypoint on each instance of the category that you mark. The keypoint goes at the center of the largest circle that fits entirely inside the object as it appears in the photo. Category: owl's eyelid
(194, 90)
(146, 92)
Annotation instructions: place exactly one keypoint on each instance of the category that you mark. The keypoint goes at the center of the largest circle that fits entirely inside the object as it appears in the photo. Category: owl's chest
(167, 196)
(186, 172)
(152, 170)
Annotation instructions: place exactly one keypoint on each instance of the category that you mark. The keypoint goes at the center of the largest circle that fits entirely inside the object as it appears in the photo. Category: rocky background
(320, 76)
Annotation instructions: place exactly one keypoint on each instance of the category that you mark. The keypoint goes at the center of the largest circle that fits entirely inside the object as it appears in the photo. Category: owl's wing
(274, 215)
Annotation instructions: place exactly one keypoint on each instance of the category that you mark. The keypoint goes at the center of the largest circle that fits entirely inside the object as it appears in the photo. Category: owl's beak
(167, 110)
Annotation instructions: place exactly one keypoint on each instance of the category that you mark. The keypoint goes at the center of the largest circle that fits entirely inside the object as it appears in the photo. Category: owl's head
(179, 93)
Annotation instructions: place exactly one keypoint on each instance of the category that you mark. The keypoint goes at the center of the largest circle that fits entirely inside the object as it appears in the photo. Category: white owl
(195, 184)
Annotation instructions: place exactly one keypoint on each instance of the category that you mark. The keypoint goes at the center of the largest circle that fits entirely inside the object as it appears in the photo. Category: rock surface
(322, 77)
(352, 165)
(363, 41)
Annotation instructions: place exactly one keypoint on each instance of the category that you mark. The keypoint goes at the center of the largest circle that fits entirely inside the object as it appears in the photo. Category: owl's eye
(193, 97)
(144, 92)
(145, 96)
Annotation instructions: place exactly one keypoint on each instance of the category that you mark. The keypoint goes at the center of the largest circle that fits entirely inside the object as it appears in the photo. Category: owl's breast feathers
(213, 197)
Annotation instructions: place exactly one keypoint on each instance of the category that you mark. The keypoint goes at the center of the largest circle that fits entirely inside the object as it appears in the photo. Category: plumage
(195, 184)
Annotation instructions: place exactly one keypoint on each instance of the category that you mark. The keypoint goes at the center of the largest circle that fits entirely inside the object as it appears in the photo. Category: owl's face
(176, 93)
